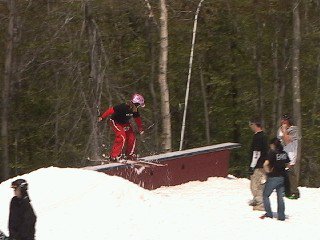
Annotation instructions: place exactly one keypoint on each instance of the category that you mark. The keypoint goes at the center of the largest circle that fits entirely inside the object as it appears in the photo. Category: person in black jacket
(22, 218)
(258, 152)
(275, 167)
(120, 116)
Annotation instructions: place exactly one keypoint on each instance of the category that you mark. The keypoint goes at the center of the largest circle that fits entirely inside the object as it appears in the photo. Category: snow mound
(83, 204)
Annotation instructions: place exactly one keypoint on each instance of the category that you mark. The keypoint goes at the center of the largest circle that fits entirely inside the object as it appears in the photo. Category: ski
(141, 162)
(102, 160)
(132, 163)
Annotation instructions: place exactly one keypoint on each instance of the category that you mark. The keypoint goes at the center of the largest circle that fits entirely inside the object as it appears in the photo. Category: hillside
(81, 204)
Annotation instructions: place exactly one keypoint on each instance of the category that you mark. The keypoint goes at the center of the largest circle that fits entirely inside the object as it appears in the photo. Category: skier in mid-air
(120, 124)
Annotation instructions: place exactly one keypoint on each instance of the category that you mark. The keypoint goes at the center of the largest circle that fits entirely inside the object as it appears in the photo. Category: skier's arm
(139, 124)
(107, 113)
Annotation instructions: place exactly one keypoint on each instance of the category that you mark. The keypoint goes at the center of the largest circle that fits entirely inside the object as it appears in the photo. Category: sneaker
(293, 197)
(258, 208)
(264, 216)
(252, 203)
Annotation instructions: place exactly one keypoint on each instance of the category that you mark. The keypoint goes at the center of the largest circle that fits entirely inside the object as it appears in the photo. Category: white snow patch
(83, 204)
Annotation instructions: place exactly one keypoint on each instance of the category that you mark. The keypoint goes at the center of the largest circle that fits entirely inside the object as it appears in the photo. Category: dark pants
(274, 183)
(293, 181)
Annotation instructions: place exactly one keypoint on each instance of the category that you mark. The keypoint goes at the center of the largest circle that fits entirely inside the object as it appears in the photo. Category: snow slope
(82, 204)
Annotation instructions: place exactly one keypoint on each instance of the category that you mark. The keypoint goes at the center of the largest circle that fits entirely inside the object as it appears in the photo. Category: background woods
(62, 62)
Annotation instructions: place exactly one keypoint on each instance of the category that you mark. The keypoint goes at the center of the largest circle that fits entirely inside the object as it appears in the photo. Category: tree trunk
(164, 89)
(57, 119)
(276, 86)
(282, 84)
(257, 60)
(205, 106)
(258, 63)
(152, 55)
(95, 77)
(296, 76)
(151, 14)
(234, 92)
(8, 74)
(317, 94)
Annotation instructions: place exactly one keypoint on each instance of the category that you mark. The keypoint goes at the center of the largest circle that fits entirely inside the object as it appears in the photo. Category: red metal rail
(197, 164)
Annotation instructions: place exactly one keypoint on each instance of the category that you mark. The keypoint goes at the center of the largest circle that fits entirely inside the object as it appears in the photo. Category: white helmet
(137, 98)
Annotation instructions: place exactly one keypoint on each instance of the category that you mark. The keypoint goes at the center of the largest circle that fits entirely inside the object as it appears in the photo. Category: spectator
(275, 168)
(22, 218)
(259, 150)
(289, 135)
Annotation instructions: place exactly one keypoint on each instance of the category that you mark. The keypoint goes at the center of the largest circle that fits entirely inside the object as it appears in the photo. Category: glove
(250, 170)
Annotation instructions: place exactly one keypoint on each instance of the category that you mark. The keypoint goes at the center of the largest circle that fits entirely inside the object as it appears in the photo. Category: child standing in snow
(120, 124)
(22, 218)
(275, 167)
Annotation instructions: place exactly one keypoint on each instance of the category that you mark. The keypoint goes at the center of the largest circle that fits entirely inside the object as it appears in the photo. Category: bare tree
(257, 60)
(164, 89)
(279, 67)
(282, 84)
(96, 75)
(296, 76)
(8, 70)
(317, 93)
(234, 79)
(276, 84)
(151, 14)
(151, 24)
(257, 49)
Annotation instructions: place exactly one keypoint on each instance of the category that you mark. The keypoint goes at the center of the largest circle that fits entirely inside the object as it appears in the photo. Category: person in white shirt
(289, 136)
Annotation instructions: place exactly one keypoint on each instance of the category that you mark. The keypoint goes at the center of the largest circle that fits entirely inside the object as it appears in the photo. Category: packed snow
(82, 204)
